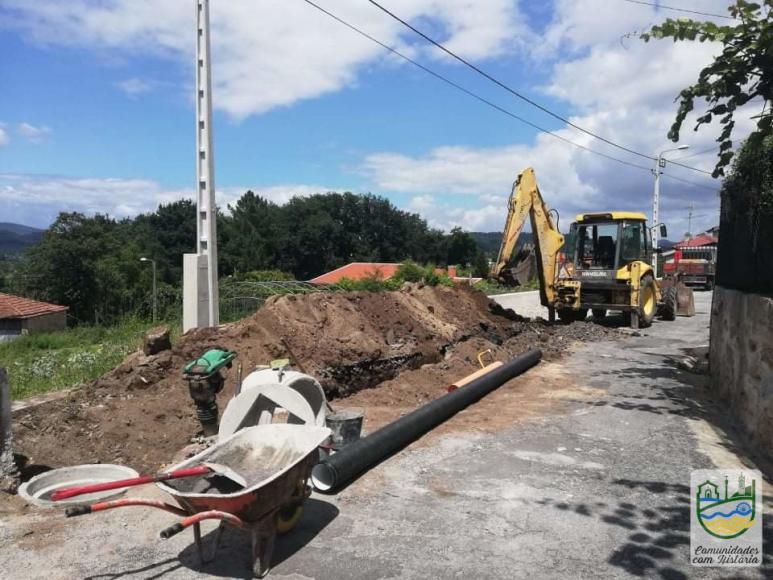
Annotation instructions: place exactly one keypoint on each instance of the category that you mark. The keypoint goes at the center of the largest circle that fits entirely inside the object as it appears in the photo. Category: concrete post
(659, 163)
(9, 475)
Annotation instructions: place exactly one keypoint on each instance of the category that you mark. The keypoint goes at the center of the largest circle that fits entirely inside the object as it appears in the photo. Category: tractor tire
(566, 315)
(631, 319)
(668, 311)
(599, 313)
(647, 302)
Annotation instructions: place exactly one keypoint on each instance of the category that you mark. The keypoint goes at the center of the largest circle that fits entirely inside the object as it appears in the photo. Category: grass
(491, 287)
(53, 361)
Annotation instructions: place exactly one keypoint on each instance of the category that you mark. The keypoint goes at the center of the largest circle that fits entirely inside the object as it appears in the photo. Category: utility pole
(200, 284)
(689, 218)
(656, 212)
(660, 163)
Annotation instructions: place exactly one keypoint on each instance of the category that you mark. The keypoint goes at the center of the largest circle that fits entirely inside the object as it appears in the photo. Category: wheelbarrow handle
(82, 510)
(235, 521)
(78, 510)
(69, 492)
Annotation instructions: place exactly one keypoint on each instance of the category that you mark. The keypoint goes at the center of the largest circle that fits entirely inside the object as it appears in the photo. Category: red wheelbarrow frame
(259, 508)
(263, 531)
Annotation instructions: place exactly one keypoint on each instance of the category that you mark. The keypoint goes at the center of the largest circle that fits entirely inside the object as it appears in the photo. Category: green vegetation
(491, 287)
(263, 276)
(91, 264)
(58, 360)
(746, 221)
(739, 74)
(409, 271)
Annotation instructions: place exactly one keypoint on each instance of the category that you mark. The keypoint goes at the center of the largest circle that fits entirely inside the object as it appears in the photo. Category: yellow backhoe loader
(604, 262)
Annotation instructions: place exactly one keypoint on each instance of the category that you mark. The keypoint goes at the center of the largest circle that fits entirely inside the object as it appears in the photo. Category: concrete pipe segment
(346, 465)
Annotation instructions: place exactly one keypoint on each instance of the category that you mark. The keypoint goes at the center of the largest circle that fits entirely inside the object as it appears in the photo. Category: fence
(240, 299)
(237, 300)
(745, 255)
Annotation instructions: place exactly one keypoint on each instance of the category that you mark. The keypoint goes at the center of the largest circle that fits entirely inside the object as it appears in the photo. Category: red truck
(695, 265)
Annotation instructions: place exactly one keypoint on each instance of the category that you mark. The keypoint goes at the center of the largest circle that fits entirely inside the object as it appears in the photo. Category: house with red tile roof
(357, 271)
(362, 270)
(700, 240)
(20, 315)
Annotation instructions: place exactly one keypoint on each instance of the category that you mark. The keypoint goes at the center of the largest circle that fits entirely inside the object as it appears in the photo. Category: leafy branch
(742, 73)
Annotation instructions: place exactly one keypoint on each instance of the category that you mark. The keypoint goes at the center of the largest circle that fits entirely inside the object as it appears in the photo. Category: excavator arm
(526, 200)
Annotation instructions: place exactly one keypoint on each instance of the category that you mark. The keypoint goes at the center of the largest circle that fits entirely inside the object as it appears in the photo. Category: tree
(87, 263)
(741, 73)
(165, 235)
(91, 263)
(480, 267)
(746, 221)
(248, 236)
(462, 248)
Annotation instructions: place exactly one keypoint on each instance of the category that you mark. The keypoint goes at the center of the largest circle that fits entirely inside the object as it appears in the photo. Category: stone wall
(9, 475)
(741, 359)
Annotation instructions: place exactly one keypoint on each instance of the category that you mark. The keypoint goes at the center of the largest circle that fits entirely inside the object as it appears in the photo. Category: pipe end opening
(323, 477)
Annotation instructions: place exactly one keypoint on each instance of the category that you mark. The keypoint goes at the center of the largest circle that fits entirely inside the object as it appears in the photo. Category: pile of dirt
(410, 343)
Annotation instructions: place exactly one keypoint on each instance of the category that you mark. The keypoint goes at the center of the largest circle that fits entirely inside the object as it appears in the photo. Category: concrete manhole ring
(38, 490)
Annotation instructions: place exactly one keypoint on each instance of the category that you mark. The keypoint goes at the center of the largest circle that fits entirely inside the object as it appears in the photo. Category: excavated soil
(385, 352)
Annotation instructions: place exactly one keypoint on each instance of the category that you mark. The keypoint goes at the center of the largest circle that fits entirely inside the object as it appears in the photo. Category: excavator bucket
(522, 269)
(685, 300)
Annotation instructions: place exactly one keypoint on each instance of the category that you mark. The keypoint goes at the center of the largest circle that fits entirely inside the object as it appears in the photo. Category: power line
(523, 97)
(486, 101)
(675, 9)
(696, 154)
(695, 183)
(469, 92)
(519, 95)
(690, 167)
(501, 84)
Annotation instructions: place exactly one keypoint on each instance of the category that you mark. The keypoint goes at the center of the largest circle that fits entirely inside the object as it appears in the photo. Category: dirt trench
(380, 350)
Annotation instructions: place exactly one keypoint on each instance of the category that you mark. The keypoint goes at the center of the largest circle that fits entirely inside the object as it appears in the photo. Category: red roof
(357, 271)
(17, 307)
(697, 241)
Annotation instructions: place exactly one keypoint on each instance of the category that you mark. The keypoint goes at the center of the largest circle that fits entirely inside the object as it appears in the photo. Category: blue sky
(96, 111)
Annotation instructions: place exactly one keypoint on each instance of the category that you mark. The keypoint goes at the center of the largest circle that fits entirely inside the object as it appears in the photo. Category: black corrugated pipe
(347, 464)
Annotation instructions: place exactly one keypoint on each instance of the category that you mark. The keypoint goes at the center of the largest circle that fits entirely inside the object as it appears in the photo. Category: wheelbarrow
(276, 462)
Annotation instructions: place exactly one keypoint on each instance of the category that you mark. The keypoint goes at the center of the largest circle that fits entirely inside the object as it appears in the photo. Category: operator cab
(599, 244)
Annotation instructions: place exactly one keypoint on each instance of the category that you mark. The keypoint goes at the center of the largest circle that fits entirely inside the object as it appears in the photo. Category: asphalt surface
(598, 488)
(524, 303)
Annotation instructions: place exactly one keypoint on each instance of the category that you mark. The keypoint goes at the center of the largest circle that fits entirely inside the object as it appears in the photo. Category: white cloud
(118, 197)
(32, 133)
(622, 90)
(269, 53)
(421, 203)
(134, 86)
(4, 138)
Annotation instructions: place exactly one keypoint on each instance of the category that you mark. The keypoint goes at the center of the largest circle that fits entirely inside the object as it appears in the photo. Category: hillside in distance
(489, 242)
(15, 238)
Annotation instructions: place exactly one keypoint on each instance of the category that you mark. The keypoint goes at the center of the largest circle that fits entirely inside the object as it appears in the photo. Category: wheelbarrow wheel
(288, 516)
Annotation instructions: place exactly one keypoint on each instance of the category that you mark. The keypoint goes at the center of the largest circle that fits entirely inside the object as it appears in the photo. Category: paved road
(524, 303)
(594, 486)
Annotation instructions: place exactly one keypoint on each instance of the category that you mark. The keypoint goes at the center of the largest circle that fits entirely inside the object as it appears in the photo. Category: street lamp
(153, 262)
(659, 164)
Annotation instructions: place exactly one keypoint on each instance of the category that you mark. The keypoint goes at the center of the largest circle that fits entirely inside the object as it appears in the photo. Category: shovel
(203, 469)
